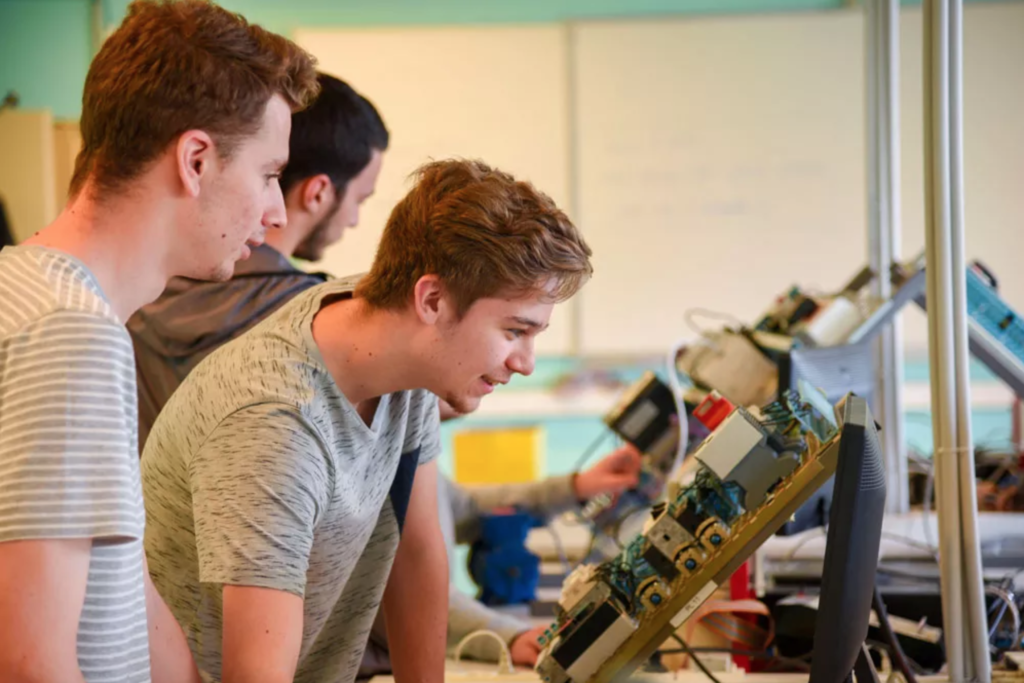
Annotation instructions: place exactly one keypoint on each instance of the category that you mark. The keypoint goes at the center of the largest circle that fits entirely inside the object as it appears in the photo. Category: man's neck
(116, 243)
(369, 353)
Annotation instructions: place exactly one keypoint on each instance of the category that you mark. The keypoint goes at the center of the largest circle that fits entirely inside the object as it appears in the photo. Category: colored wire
(696, 660)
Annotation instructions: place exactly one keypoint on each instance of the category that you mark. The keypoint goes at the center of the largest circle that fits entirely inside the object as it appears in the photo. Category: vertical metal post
(883, 122)
(976, 636)
(940, 328)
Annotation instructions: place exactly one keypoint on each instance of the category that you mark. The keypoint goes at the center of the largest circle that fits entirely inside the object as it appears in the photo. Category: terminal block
(754, 472)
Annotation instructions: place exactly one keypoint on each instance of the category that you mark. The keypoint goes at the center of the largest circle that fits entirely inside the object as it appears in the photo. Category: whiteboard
(498, 93)
(723, 159)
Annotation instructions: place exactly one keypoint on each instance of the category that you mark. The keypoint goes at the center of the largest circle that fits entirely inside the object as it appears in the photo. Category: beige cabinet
(37, 158)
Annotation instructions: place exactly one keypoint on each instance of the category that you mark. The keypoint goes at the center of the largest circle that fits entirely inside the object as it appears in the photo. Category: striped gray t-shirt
(69, 464)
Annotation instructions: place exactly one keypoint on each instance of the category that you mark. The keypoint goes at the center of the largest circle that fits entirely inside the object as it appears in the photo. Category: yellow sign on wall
(499, 456)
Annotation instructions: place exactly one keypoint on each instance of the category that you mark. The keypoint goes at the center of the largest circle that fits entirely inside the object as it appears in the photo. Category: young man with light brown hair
(335, 154)
(291, 480)
(185, 121)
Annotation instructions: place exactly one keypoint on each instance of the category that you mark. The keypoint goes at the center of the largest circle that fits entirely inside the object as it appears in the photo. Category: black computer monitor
(851, 552)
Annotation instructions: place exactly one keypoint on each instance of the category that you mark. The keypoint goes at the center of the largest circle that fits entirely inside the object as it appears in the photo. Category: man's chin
(226, 270)
(220, 273)
(463, 404)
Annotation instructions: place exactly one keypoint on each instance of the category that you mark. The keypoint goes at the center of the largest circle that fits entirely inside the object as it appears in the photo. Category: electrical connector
(713, 409)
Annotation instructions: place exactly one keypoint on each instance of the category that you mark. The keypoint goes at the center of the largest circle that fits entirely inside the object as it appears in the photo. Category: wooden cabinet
(27, 179)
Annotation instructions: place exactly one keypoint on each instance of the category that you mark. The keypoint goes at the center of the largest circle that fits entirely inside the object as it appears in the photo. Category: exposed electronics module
(755, 469)
(645, 416)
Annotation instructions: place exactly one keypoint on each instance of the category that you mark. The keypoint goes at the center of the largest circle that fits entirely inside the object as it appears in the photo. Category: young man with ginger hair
(291, 480)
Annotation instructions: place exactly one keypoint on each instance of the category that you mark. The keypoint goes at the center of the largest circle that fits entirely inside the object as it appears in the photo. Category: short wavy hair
(483, 233)
(179, 65)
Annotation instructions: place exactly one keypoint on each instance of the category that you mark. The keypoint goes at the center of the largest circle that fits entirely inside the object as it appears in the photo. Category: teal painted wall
(284, 16)
(45, 45)
(45, 49)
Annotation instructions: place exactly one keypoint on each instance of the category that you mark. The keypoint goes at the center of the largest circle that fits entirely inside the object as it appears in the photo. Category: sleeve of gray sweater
(543, 499)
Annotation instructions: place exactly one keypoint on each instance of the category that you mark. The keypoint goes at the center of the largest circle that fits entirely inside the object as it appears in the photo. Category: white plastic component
(587, 664)
(695, 602)
(728, 445)
(577, 584)
(834, 324)
(730, 363)
(505, 666)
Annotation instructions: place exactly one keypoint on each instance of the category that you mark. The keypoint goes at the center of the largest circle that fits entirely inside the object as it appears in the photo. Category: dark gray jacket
(191, 319)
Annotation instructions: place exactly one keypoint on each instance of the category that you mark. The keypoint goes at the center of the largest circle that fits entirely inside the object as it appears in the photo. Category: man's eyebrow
(529, 323)
(277, 164)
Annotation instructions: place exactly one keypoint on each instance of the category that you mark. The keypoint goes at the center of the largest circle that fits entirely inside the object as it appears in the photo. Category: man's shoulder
(279, 349)
(285, 324)
(44, 285)
(266, 366)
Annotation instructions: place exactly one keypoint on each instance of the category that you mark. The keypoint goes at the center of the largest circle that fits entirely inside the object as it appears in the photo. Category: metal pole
(976, 640)
(940, 333)
(882, 80)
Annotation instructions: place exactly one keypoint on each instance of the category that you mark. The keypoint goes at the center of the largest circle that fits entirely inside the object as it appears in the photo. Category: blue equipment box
(991, 313)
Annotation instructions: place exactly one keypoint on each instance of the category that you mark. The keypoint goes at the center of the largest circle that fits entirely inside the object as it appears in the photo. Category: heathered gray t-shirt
(69, 464)
(259, 472)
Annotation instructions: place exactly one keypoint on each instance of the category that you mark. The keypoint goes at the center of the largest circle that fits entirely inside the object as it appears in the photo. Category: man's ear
(429, 299)
(194, 155)
(317, 191)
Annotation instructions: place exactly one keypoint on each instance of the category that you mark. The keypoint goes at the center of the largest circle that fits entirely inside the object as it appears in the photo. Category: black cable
(749, 654)
(591, 449)
(696, 660)
(895, 649)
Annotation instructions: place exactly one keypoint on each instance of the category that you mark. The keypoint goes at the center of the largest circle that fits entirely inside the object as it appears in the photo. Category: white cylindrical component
(835, 323)
(940, 332)
(883, 157)
(979, 666)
